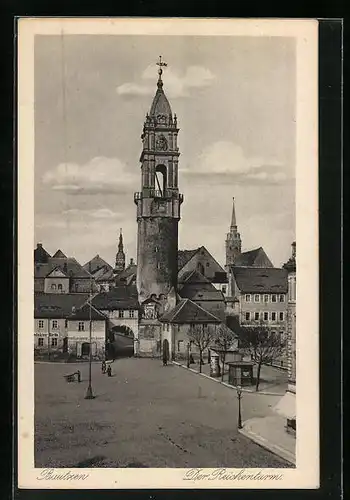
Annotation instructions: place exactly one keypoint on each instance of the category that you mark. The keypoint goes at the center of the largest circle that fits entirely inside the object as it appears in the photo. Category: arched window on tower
(161, 179)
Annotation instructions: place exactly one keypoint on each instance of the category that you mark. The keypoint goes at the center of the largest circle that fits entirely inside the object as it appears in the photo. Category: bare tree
(224, 339)
(201, 336)
(264, 345)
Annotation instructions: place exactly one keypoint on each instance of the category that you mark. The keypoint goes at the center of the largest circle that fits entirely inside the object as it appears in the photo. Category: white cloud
(177, 85)
(99, 175)
(224, 159)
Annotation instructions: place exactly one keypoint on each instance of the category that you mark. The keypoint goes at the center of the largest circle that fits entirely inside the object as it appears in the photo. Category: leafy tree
(224, 339)
(263, 344)
(201, 336)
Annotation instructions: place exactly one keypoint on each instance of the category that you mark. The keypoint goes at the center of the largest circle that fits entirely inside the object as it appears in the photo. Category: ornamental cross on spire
(161, 64)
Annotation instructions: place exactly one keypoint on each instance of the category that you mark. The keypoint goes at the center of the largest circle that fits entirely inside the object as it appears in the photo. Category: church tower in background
(233, 240)
(158, 203)
(120, 256)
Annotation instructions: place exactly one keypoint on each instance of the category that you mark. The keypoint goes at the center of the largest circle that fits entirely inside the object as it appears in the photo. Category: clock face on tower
(161, 143)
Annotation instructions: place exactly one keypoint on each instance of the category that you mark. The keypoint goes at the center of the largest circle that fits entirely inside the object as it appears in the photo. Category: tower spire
(120, 256)
(233, 239)
(161, 64)
(233, 217)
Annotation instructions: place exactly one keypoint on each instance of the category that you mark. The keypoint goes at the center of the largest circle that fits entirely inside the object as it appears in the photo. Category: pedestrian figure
(109, 371)
(165, 358)
(103, 367)
(191, 359)
(78, 374)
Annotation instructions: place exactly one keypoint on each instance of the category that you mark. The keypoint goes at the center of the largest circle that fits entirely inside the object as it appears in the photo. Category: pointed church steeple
(120, 257)
(233, 239)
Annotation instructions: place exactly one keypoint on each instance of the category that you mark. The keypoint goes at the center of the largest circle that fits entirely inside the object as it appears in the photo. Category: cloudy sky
(235, 102)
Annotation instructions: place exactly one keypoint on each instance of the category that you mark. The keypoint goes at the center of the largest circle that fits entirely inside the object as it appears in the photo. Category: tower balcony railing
(167, 194)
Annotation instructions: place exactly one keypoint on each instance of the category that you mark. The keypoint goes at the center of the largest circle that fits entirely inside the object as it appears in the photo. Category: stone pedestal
(215, 365)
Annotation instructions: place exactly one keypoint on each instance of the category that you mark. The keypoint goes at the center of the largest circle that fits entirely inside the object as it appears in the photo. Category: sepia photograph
(164, 218)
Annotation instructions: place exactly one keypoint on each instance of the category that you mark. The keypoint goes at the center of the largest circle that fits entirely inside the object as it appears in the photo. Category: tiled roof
(86, 312)
(248, 259)
(96, 263)
(106, 276)
(183, 256)
(260, 280)
(187, 311)
(50, 305)
(40, 254)
(199, 290)
(119, 297)
(68, 265)
(126, 276)
(59, 255)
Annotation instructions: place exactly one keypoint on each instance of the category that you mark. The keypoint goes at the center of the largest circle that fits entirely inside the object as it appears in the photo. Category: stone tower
(120, 256)
(233, 240)
(158, 202)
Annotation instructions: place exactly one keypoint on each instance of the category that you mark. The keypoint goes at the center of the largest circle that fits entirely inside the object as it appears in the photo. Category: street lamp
(239, 397)
(89, 393)
(188, 354)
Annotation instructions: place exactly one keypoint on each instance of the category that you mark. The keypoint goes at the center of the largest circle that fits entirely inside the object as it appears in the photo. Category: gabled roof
(57, 272)
(119, 297)
(59, 255)
(40, 254)
(127, 276)
(86, 312)
(69, 266)
(193, 277)
(186, 312)
(95, 264)
(183, 256)
(50, 305)
(198, 287)
(106, 276)
(251, 258)
(260, 280)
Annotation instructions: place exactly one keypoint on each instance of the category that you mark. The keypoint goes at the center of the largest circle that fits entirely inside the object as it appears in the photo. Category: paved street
(144, 415)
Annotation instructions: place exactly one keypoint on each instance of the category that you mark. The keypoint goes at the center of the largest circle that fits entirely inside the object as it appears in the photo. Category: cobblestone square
(145, 415)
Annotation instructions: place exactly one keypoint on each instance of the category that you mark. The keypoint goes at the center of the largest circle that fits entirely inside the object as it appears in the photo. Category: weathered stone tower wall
(158, 202)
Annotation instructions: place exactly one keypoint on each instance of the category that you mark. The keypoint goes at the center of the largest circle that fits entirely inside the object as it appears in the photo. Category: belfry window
(160, 178)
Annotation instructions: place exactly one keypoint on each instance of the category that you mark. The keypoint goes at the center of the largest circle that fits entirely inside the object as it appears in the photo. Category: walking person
(165, 358)
(109, 371)
(103, 367)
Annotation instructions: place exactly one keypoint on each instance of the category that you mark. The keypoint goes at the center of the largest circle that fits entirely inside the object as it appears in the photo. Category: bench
(71, 377)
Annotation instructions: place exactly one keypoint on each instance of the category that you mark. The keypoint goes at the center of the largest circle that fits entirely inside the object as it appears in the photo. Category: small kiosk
(240, 373)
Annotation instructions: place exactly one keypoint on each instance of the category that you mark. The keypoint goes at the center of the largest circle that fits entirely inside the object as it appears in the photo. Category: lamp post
(239, 397)
(89, 393)
(188, 354)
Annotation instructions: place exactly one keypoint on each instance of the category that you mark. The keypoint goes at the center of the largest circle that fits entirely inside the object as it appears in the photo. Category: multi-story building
(287, 406)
